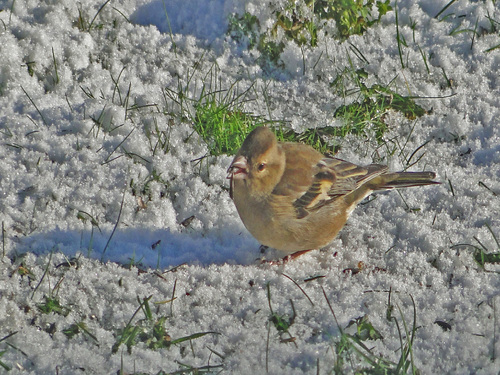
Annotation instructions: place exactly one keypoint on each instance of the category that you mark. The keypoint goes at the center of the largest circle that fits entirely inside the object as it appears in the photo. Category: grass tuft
(77, 328)
(221, 121)
(364, 329)
(52, 304)
(300, 21)
(150, 330)
(218, 114)
(282, 323)
(482, 255)
(351, 350)
(223, 125)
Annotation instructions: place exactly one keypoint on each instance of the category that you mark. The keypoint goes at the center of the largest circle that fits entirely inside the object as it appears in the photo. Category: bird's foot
(285, 259)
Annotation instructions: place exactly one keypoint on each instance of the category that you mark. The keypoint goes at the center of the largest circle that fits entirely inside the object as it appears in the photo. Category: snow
(77, 141)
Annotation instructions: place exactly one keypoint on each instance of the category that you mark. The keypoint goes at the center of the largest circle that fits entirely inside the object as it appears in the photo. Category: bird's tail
(385, 181)
(401, 180)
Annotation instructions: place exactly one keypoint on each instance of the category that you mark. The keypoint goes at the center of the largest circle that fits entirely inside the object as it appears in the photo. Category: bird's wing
(349, 176)
(333, 178)
(312, 180)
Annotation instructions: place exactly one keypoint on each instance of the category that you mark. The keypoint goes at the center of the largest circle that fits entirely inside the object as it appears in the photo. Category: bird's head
(260, 162)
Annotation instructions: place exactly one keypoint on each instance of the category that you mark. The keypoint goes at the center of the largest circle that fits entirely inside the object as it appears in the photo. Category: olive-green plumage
(293, 198)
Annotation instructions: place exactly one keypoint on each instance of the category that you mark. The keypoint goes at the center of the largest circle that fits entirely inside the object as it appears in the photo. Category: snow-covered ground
(80, 115)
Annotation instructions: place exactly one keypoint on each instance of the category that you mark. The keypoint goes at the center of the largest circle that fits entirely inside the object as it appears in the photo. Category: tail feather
(402, 180)
(386, 181)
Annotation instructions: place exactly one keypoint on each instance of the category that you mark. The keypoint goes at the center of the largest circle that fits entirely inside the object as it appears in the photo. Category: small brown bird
(292, 198)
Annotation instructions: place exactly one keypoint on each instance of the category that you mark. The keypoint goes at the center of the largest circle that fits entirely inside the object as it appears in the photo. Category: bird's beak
(238, 169)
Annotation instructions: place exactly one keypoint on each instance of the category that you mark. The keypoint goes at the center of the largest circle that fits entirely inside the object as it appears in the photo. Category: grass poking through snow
(482, 255)
(150, 330)
(353, 353)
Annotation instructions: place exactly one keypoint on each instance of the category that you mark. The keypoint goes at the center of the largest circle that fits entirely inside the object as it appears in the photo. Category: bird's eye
(261, 167)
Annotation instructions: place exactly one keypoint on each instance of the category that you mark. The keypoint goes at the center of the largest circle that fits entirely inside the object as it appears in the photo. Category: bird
(294, 199)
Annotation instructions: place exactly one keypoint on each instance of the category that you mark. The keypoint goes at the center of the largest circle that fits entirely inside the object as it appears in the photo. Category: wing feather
(312, 180)
(336, 178)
